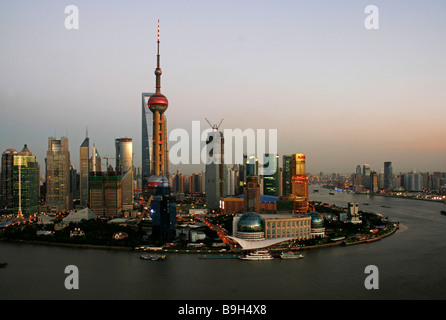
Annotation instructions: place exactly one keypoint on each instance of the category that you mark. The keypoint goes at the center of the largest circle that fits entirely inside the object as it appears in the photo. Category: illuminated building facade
(295, 184)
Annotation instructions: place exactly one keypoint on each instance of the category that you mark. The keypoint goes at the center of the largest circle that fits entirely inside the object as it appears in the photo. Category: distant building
(412, 181)
(366, 175)
(374, 188)
(388, 176)
(196, 181)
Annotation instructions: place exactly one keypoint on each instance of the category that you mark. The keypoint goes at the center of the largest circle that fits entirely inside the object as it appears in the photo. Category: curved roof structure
(77, 216)
(260, 244)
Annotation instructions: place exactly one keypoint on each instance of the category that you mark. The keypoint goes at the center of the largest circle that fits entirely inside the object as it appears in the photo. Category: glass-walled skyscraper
(146, 138)
(271, 175)
(58, 175)
(388, 176)
(84, 171)
(124, 167)
(26, 183)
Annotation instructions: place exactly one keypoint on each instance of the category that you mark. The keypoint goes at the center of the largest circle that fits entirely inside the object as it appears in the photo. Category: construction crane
(215, 126)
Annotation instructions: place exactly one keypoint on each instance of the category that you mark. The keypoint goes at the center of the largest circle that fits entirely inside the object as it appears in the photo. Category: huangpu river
(411, 264)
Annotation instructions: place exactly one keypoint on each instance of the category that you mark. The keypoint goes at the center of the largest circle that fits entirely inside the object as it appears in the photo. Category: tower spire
(158, 67)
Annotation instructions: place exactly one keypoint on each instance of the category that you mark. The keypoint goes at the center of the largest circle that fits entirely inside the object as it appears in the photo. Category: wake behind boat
(258, 255)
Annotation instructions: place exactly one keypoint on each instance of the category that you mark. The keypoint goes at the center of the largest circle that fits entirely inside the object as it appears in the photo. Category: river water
(411, 265)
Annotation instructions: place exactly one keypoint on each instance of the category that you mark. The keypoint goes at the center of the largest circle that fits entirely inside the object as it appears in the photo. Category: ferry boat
(153, 258)
(257, 255)
(291, 255)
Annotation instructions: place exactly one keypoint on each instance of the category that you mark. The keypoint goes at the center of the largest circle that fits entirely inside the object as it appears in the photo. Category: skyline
(310, 70)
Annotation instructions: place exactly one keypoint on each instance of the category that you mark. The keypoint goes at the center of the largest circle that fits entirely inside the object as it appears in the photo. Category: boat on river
(153, 258)
(291, 255)
(258, 255)
(443, 212)
(3, 264)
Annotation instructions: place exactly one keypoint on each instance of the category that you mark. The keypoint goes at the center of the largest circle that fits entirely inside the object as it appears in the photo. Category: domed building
(249, 226)
(317, 225)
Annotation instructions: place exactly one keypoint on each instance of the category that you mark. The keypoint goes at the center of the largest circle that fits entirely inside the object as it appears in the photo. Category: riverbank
(202, 251)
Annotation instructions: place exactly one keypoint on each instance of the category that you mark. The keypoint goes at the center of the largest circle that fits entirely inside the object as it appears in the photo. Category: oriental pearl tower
(158, 104)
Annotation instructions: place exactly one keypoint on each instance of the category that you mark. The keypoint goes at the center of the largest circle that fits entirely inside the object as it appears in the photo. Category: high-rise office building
(271, 175)
(95, 160)
(105, 193)
(158, 104)
(388, 176)
(196, 183)
(295, 182)
(215, 169)
(163, 213)
(84, 172)
(124, 167)
(146, 139)
(26, 183)
(366, 175)
(58, 175)
(74, 185)
(298, 164)
(286, 175)
(374, 188)
(7, 182)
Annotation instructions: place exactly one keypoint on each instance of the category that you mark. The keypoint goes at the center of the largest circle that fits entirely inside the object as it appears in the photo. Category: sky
(336, 91)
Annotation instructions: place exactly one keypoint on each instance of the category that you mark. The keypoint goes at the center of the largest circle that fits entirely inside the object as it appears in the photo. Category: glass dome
(251, 222)
(317, 220)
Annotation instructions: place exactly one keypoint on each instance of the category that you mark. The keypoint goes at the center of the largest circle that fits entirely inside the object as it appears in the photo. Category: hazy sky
(336, 91)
